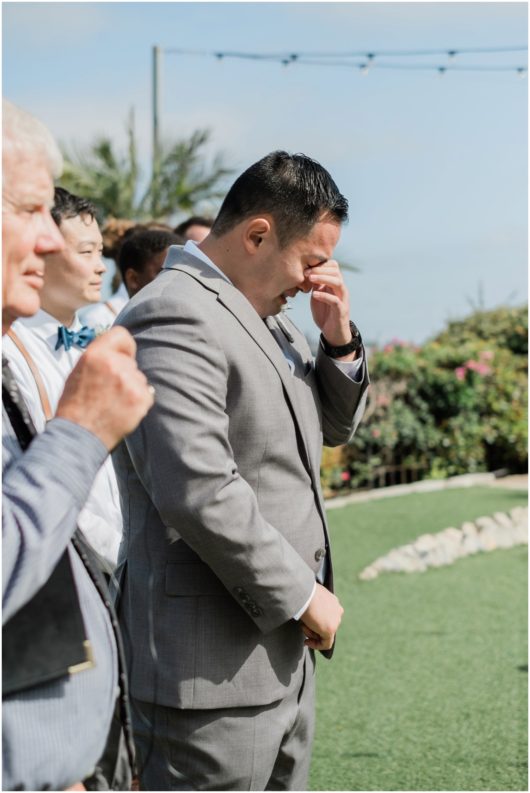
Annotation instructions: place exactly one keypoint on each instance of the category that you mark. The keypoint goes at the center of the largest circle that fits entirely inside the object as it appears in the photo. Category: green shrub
(455, 405)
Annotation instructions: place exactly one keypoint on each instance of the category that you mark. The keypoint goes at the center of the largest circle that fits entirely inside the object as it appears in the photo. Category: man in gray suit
(226, 580)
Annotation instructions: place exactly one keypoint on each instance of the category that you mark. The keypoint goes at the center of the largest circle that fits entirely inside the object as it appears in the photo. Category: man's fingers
(320, 644)
(330, 266)
(326, 280)
(309, 633)
(326, 297)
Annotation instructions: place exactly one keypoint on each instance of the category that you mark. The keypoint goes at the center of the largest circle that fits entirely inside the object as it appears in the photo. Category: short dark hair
(194, 220)
(67, 205)
(293, 188)
(139, 248)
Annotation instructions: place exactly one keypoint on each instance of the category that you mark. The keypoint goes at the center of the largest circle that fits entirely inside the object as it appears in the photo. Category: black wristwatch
(344, 349)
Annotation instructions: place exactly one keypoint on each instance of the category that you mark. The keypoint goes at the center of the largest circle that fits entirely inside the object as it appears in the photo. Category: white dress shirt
(101, 519)
(102, 315)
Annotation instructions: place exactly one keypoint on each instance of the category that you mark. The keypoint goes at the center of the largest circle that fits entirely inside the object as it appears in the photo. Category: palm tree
(112, 180)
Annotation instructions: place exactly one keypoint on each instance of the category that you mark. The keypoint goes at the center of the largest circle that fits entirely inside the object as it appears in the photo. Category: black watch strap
(344, 349)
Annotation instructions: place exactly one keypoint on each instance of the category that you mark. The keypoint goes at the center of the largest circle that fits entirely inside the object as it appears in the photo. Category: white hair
(23, 133)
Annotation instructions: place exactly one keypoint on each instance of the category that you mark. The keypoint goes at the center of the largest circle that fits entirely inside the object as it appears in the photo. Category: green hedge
(455, 405)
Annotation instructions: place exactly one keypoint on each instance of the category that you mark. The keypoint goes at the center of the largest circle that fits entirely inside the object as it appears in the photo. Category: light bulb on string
(364, 68)
(522, 72)
(442, 70)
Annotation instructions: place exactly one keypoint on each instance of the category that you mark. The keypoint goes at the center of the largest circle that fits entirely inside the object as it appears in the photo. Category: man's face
(28, 233)
(73, 276)
(282, 272)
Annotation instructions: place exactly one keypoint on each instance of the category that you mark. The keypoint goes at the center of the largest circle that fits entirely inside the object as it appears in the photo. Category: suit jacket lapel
(238, 305)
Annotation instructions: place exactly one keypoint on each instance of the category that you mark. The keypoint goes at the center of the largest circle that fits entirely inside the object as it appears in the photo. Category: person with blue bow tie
(43, 349)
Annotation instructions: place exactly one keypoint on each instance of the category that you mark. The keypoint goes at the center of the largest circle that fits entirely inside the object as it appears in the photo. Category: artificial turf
(427, 689)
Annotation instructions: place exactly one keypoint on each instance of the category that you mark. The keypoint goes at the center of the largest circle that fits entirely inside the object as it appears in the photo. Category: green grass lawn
(427, 689)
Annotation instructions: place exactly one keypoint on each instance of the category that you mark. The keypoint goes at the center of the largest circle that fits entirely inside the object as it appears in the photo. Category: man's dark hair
(139, 248)
(293, 188)
(67, 205)
(194, 220)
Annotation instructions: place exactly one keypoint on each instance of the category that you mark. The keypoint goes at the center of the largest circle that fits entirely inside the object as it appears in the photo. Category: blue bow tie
(81, 338)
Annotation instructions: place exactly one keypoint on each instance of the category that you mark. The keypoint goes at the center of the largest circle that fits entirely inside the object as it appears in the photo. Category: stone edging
(502, 530)
(422, 486)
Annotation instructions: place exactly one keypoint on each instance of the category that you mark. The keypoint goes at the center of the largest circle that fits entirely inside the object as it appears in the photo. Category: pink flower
(478, 367)
(388, 348)
(376, 433)
(383, 401)
(460, 372)
(345, 476)
(472, 365)
(487, 355)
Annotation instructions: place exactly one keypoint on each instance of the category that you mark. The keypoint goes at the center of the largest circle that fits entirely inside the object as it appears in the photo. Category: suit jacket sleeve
(342, 399)
(185, 461)
(43, 491)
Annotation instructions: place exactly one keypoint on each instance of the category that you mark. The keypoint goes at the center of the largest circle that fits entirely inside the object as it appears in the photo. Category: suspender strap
(43, 396)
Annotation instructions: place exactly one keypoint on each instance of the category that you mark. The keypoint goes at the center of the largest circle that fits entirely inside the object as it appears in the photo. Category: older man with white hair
(61, 661)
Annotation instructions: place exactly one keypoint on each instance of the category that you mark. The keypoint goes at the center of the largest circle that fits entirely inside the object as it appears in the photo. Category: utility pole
(157, 56)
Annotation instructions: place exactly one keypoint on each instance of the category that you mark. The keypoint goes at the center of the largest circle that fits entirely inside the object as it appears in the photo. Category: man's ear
(256, 231)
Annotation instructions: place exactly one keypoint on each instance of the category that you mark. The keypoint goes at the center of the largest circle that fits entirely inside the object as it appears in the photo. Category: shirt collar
(192, 248)
(46, 326)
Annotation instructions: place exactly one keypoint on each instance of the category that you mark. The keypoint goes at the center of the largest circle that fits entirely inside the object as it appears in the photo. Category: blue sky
(434, 167)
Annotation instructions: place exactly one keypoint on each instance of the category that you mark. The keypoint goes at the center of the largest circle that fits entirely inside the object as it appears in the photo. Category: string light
(372, 59)
(368, 54)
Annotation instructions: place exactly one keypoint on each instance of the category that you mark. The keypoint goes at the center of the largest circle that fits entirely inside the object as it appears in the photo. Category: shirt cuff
(352, 369)
(306, 604)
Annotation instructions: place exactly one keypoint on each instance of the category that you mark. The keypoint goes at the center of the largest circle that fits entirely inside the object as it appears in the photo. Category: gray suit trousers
(253, 748)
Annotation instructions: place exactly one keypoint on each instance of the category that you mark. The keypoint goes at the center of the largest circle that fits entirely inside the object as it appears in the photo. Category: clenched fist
(321, 620)
(106, 393)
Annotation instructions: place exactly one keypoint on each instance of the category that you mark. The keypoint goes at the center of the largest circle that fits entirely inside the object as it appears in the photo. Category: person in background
(43, 350)
(195, 228)
(142, 256)
(101, 315)
(115, 232)
(62, 670)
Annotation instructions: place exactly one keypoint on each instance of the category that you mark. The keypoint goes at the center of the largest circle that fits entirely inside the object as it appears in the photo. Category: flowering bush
(455, 405)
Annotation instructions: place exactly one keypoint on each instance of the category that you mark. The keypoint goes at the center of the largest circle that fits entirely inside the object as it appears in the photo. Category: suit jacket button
(319, 554)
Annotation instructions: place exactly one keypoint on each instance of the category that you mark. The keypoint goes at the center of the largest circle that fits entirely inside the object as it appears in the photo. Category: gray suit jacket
(224, 521)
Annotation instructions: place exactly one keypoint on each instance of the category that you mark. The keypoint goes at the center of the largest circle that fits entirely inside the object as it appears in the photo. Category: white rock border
(501, 530)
